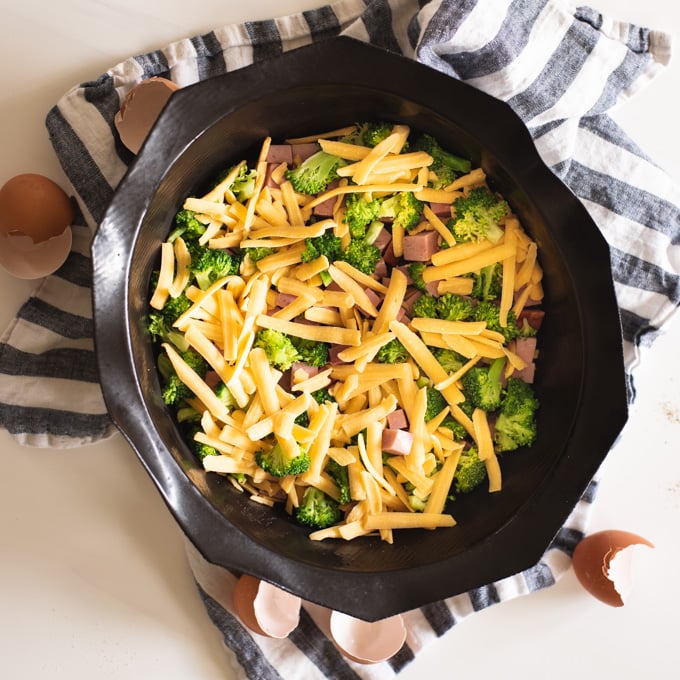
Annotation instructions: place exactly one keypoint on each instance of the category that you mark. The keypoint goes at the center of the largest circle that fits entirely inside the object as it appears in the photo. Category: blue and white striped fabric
(561, 67)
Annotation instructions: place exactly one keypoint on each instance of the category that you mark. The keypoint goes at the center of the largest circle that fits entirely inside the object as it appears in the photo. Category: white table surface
(93, 579)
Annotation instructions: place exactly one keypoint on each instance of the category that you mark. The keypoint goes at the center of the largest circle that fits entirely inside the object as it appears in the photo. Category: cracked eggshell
(35, 226)
(603, 564)
(264, 608)
(140, 109)
(367, 642)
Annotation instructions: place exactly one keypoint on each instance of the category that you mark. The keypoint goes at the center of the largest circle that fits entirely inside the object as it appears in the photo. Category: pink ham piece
(302, 371)
(303, 151)
(442, 210)
(326, 208)
(383, 240)
(380, 269)
(373, 296)
(280, 153)
(534, 317)
(397, 442)
(525, 348)
(333, 354)
(397, 420)
(420, 247)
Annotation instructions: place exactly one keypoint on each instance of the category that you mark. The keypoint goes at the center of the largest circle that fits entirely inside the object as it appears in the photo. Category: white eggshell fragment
(140, 109)
(266, 609)
(24, 259)
(603, 564)
(367, 642)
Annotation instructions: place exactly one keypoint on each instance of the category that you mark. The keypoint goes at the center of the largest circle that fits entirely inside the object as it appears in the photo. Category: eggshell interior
(277, 611)
(23, 258)
(245, 592)
(367, 642)
(602, 563)
(140, 109)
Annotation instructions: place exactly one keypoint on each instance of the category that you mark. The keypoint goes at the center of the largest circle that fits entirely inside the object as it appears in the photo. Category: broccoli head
(457, 429)
(470, 472)
(278, 347)
(361, 255)
(327, 244)
(404, 209)
(278, 463)
(449, 359)
(392, 352)
(415, 271)
(369, 134)
(452, 307)
(317, 510)
(445, 166)
(315, 173)
(160, 322)
(516, 422)
(359, 213)
(477, 216)
(488, 282)
(174, 391)
(224, 394)
(482, 385)
(311, 352)
(340, 476)
(187, 226)
(243, 186)
(489, 312)
(256, 254)
(425, 306)
(436, 403)
(210, 264)
(322, 395)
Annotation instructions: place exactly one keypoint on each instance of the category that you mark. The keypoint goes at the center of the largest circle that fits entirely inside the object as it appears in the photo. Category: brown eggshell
(34, 205)
(140, 109)
(264, 608)
(23, 258)
(602, 563)
(367, 642)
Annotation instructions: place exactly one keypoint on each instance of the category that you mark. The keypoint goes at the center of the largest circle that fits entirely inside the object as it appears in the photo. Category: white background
(93, 578)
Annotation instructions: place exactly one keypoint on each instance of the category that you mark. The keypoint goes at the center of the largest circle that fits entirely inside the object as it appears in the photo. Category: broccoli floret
(278, 347)
(488, 282)
(449, 359)
(278, 463)
(224, 395)
(482, 385)
(403, 208)
(361, 255)
(340, 475)
(210, 264)
(470, 472)
(452, 307)
(174, 390)
(315, 173)
(516, 422)
(435, 403)
(243, 185)
(359, 213)
(392, 352)
(317, 510)
(311, 352)
(159, 323)
(457, 429)
(187, 226)
(256, 254)
(416, 503)
(489, 312)
(477, 216)
(200, 449)
(369, 134)
(426, 306)
(322, 396)
(415, 271)
(445, 165)
(327, 244)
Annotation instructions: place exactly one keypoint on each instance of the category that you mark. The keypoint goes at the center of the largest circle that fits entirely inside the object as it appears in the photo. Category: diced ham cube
(212, 379)
(325, 208)
(333, 354)
(280, 153)
(442, 210)
(383, 240)
(525, 348)
(380, 269)
(527, 373)
(420, 247)
(534, 317)
(397, 420)
(302, 371)
(284, 299)
(397, 442)
(389, 255)
(432, 288)
(269, 181)
(373, 296)
(303, 151)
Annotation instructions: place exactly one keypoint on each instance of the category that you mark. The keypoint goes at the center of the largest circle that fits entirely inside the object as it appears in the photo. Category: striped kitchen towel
(562, 68)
